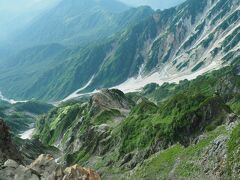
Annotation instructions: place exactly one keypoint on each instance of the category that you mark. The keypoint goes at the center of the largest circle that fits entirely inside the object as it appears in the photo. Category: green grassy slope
(170, 139)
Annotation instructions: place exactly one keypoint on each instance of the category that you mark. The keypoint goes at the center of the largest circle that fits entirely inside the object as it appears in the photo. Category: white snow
(11, 101)
(136, 84)
(75, 93)
(27, 134)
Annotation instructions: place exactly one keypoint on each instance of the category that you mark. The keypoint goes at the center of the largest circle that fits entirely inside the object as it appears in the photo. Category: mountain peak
(113, 6)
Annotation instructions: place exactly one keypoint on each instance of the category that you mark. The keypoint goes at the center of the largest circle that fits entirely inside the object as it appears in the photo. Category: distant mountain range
(74, 43)
(75, 22)
(135, 93)
(16, 15)
(155, 4)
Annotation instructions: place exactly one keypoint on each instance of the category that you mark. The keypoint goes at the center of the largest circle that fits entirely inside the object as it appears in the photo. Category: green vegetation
(206, 42)
(106, 116)
(152, 139)
(52, 71)
(199, 65)
(34, 107)
(156, 133)
(160, 164)
(22, 116)
(183, 161)
(59, 121)
(233, 153)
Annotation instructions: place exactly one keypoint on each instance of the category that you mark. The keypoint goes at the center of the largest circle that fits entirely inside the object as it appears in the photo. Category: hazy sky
(14, 14)
(156, 4)
(24, 5)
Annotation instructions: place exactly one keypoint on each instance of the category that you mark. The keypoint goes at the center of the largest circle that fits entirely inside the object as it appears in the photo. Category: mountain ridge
(180, 40)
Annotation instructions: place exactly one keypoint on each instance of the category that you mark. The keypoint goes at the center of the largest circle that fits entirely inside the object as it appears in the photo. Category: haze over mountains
(75, 22)
(130, 92)
(76, 41)
(17, 14)
(155, 4)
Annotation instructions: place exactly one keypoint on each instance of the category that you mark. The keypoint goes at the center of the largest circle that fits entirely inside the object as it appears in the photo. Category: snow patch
(11, 101)
(27, 134)
(136, 84)
(75, 93)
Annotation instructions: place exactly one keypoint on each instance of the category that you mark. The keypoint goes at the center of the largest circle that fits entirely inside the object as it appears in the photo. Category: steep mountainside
(185, 39)
(193, 37)
(55, 65)
(7, 148)
(13, 160)
(22, 116)
(79, 21)
(127, 135)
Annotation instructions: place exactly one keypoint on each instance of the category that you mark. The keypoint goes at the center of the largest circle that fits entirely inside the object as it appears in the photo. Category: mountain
(173, 44)
(38, 64)
(190, 37)
(22, 116)
(7, 148)
(190, 132)
(155, 97)
(78, 21)
(155, 4)
(15, 15)
(12, 162)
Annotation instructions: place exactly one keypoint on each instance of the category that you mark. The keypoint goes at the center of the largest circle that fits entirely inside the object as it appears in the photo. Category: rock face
(45, 168)
(109, 99)
(78, 172)
(7, 149)
(104, 111)
(174, 42)
(11, 170)
(214, 160)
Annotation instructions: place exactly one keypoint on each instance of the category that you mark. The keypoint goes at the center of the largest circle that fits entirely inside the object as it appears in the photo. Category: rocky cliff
(7, 149)
(146, 134)
(45, 168)
(13, 160)
(192, 38)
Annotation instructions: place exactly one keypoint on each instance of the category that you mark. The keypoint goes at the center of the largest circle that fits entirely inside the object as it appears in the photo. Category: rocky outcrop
(31, 149)
(214, 160)
(109, 99)
(45, 168)
(78, 172)
(7, 149)
(85, 125)
(11, 170)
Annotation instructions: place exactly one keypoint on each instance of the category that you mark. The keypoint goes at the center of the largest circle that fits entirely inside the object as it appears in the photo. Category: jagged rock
(7, 149)
(109, 99)
(11, 163)
(215, 158)
(231, 118)
(99, 137)
(31, 149)
(232, 122)
(78, 172)
(126, 158)
(14, 171)
(45, 168)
